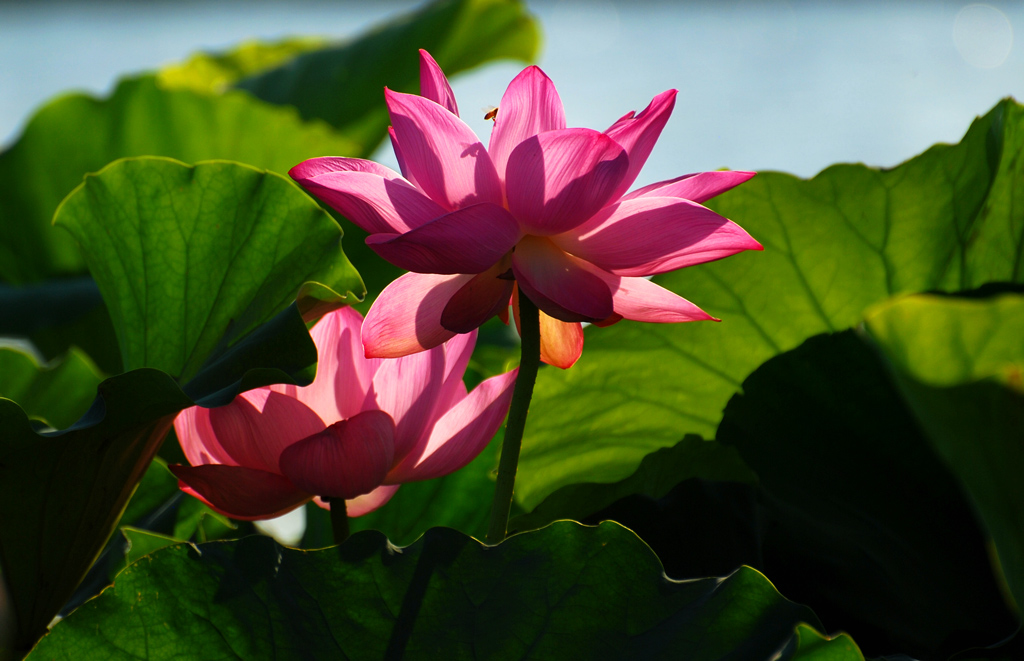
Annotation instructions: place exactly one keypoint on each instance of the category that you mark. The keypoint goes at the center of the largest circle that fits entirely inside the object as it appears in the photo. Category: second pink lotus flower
(543, 210)
(361, 429)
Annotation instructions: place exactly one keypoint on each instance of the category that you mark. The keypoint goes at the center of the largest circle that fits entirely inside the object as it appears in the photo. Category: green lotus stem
(529, 328)
(339, 520)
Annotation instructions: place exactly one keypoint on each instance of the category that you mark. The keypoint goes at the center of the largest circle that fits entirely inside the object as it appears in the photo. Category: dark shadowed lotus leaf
(565, 591)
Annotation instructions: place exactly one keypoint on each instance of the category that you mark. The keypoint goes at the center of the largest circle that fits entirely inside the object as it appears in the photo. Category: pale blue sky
(790, 86)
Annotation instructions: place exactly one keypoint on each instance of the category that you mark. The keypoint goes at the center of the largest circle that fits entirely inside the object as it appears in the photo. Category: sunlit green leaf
(191, 258)
(959, 364)
(834, 245)
(563, 592)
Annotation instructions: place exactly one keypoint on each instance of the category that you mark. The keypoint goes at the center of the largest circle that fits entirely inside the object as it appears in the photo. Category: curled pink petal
(315, 167)
(460, 434)
(557, 180)
(408, 388)
(406, 317)
(650, 235)
(559, 284)
(637, 135)
(640, 299)
(442, 156)
(374, 202)
(467, 240)
(434, 85)
(242, 493)
(698, 187)
(530, 105)
(483, 297)
(348, 459)
(258, 425)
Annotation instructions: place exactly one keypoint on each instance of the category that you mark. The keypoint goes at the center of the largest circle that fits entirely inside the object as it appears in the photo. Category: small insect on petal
(490, 112)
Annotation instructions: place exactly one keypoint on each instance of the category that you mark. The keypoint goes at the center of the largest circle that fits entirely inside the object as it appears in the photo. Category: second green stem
(339, 520)
(529, 329)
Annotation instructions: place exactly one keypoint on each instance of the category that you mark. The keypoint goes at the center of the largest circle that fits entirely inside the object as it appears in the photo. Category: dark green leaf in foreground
(344, 84)
(564, 592)
(77, 134)
(834, 245)
(190, 259)
(959, 364)
(863, 521)
(57, 394)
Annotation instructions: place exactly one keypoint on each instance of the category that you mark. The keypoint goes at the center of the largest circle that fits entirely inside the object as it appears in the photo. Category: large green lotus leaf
(344, 84)
(959, 364)
(191, 258)
(77, 134)
(57, 394)
(657, 474)
(848, 238)
(212, 73)
(564, 592)
(862, 520)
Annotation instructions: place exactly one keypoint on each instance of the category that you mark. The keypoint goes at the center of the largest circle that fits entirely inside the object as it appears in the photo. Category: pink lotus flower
(362, 428)
(541, 210)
